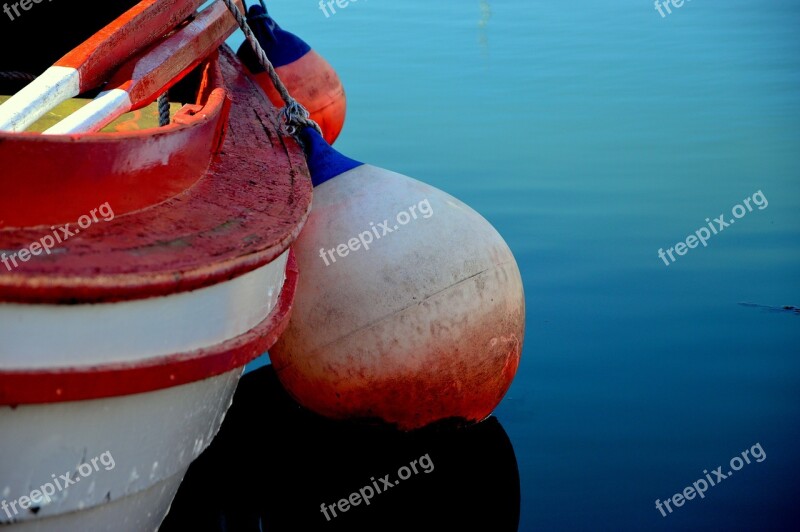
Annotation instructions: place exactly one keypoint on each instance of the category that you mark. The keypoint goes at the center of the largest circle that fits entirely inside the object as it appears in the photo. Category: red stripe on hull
(63, 385)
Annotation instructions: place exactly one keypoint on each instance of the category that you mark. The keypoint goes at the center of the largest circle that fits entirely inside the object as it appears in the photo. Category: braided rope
(163, 109)
(17, 76)
(294, 114)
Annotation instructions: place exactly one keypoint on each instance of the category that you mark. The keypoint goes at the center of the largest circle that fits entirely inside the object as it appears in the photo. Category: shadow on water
(768, 308)
(274, 464)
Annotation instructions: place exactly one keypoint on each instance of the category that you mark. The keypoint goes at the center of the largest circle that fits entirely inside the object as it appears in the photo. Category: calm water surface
(591, 134)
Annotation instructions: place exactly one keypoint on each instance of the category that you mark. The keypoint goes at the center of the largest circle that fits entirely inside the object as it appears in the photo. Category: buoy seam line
(295, 115)
(357, 497)
(425, 298)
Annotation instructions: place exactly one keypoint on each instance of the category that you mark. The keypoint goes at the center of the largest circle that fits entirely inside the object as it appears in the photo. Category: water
(591, 134)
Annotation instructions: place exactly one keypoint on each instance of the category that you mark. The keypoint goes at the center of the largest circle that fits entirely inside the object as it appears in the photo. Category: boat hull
(127, 342)
(152, 438)
(142, 511)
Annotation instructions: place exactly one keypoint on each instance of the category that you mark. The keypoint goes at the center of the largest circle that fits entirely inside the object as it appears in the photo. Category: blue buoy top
(324, 163)
(281, 47)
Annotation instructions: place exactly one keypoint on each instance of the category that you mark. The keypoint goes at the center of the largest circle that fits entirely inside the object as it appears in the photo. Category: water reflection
(274, 464)
(486, 15)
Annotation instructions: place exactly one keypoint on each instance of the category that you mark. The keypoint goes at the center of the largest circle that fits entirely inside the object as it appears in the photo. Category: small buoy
(410, 306)
(311, 80)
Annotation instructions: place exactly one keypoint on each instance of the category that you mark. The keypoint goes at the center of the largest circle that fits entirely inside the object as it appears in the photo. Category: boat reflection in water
(274, 465)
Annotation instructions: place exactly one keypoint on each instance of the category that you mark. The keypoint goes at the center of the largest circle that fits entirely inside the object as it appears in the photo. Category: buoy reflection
(276, 466)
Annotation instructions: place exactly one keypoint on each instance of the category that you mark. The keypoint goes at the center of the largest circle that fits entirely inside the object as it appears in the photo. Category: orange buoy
(410, 307)
(311, 80)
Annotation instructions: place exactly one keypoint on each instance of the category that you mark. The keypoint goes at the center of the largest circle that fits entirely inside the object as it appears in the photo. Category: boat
(122, 343)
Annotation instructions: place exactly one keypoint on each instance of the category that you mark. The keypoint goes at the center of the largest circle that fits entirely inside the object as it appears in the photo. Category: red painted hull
(55, 179)
(191, 238)
(238, 214)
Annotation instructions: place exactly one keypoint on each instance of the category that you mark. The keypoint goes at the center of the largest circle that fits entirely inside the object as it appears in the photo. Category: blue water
(591, 134)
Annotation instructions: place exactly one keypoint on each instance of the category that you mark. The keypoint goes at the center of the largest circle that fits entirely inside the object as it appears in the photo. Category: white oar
(141, 80)
(91, 63)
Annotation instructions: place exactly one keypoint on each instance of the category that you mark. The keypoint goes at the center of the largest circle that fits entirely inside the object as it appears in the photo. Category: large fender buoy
(410, 307)
(311, 80)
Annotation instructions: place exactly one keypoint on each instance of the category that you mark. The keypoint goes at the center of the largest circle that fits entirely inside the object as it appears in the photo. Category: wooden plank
(144, 118)
(91, 63)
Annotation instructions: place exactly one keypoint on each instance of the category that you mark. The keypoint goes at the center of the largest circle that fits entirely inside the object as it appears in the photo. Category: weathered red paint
(114, 380)
(243, 213)
(409, 401)
(139, 27)
(313, 82)
(57, 178)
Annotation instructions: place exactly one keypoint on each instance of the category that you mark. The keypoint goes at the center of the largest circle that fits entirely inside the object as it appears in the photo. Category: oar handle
(96, 58)
(139, 82)
(156, 70)
(91, 63)
(54, 86)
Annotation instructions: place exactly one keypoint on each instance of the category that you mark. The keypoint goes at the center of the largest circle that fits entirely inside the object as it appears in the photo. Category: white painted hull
(54, 336)
(154, 436)
(143, 511)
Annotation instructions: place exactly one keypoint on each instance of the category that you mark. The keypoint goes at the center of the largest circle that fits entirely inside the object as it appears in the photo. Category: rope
(294, 114)
(163, 109)
(17, 76)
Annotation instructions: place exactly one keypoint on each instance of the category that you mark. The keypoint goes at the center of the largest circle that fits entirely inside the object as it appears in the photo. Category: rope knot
(296, 116)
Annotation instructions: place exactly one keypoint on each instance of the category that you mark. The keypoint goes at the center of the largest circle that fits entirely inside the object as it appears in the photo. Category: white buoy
(410, 306)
